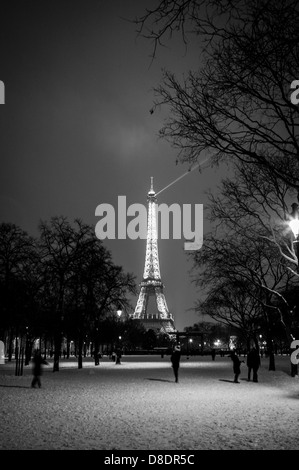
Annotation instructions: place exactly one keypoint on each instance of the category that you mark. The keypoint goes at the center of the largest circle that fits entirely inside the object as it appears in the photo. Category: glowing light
(119, 312)
(294, 224)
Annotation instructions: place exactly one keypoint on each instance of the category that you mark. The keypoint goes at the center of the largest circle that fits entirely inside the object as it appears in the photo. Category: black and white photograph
(149, 228)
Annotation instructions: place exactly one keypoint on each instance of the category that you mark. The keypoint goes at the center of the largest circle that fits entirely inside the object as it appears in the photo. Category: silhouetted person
(96, 358)
(294, 367)
(118, 356)
(236, 366)
(253, 364)
(175, 360)
(37, 368)
(213, 353)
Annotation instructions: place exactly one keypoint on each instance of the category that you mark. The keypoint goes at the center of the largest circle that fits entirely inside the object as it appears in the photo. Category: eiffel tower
(154, 315)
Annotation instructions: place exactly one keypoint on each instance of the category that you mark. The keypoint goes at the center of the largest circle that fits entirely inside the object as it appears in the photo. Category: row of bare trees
(234, 107)
(246, 264)
(61, 284)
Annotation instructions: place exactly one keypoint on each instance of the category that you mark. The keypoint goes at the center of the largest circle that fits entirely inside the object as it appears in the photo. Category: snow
(138, 406)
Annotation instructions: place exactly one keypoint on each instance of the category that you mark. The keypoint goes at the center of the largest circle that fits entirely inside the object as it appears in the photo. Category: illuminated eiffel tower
(154, 315)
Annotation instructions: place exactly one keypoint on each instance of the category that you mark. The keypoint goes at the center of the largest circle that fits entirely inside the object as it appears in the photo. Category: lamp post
(261, 345)
(294, 225)
(118, 351)
(189, 341)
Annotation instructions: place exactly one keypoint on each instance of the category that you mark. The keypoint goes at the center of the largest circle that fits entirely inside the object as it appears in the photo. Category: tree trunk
(271, 353)
(17, 357)
(45, 348)
(57, 348)
(80, 361)
(28, 350)
(280, 346)
(256, 343)
(96, 352)
(201, 344)
(10, 347)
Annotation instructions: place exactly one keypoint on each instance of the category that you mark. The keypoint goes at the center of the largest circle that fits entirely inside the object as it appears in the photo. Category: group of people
(253, 363)
(116, 356)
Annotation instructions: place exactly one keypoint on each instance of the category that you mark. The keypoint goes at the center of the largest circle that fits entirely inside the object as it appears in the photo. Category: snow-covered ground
(138, 406)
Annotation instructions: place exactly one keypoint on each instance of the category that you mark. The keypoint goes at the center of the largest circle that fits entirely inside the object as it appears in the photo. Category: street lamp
(294, 225)
(294, 222)
(118, 352)
(190, 341)
(119, 312)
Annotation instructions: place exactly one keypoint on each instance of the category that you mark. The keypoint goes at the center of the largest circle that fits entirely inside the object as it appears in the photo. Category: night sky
(76, 129)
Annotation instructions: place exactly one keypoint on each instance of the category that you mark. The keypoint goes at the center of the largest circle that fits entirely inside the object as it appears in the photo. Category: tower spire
(151, 191)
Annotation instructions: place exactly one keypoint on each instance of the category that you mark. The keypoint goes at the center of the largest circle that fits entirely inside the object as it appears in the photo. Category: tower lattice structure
(154, 315)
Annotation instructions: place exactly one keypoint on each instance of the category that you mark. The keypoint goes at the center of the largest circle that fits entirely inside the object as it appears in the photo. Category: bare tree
(230, 303)
(250, 208)
(16, 253)
(236, 101)
(254, 206)
(99, 288)
(82, 284)
(244, 281)
(60, 246)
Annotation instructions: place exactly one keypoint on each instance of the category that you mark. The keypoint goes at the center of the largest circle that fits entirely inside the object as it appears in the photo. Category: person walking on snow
(175, 360)
(236, 366)
(253, 363)
(37, 368)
